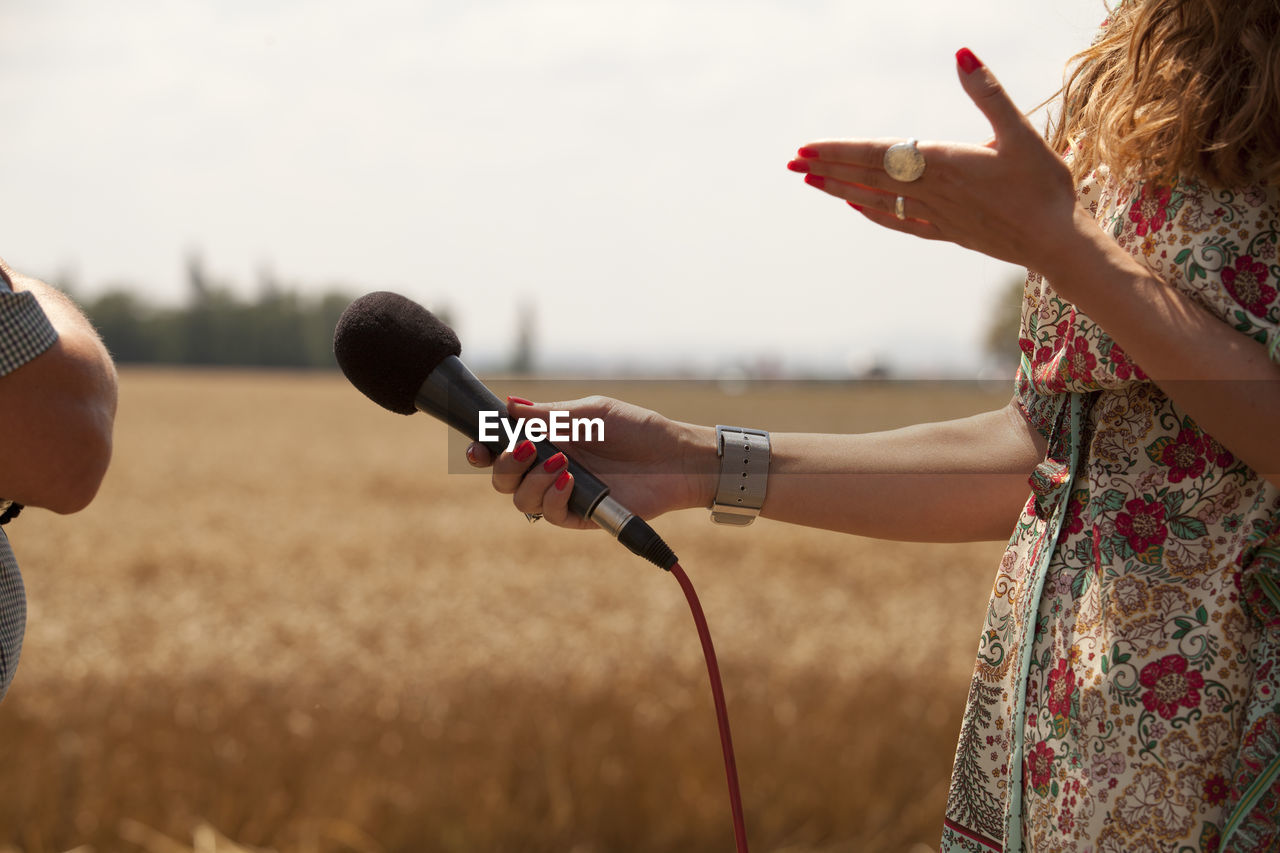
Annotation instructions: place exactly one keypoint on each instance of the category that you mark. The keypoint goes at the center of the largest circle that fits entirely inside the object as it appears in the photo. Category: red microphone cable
(722, 713)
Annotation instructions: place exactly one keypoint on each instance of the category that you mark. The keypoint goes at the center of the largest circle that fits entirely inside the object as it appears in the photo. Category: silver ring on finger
(900, 208)
(904, 162)
(533, 516)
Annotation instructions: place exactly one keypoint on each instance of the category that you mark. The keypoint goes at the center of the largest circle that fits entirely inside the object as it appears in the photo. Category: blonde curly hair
(1177, 87)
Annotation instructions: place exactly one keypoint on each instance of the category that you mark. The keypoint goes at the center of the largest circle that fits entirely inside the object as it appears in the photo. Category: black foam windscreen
(387, 344)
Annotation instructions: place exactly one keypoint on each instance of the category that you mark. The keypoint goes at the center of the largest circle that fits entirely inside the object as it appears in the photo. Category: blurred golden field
(285, 625)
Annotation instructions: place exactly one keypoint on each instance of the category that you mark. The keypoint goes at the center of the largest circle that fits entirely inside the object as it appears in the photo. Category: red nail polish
(798, 166)
(808, 152)
(521, 400)
(471, 454)
(967, 61)
(554, 462)
(524, 450)
(563, 480)
(815, 181)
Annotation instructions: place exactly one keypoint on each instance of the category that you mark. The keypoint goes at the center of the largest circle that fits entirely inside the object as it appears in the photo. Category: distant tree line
(280, 328)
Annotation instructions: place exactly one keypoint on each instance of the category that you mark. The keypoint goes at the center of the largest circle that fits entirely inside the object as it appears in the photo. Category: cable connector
(641, 540)
(632, 531)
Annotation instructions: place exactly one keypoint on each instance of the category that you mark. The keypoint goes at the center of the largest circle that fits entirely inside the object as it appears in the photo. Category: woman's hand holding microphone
(651, 463)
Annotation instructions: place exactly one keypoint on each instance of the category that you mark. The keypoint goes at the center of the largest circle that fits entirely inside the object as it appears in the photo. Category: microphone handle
(453, 394)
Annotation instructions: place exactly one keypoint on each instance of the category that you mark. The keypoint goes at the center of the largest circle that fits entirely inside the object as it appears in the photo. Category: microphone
(402, 357)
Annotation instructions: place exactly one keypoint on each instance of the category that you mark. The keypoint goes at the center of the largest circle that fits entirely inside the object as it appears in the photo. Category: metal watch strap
(744, 474)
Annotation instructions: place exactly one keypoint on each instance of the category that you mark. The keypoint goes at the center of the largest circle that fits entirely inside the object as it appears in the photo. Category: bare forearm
(951, 481)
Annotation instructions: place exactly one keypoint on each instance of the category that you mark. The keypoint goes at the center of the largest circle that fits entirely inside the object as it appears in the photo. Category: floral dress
(1126, 696)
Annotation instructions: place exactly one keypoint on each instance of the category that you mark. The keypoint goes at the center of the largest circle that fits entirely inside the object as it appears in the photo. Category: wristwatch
(744, 474)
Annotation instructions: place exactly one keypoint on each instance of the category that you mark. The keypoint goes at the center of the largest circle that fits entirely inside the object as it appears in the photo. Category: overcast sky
(619, 166)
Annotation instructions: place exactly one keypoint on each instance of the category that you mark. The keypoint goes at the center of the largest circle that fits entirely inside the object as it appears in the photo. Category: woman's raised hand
(1011, 198)
(651, 463)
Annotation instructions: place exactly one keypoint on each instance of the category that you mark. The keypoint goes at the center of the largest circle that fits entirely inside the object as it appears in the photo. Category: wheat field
(286, 625)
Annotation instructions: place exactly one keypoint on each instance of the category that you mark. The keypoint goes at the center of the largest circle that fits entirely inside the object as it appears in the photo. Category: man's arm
(56, 410)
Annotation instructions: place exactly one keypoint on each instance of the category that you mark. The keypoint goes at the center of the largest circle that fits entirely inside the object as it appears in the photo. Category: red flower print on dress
(1150, 211)
(1066, 821)
(1078, 363)
(1142, 524)
(1061, 685)
(1247, 284)
(1075, 513)
(1123, 367)
(1184, 455)
(1040, 767)
(1215, 789)
(1217, 454)
(1170, 686)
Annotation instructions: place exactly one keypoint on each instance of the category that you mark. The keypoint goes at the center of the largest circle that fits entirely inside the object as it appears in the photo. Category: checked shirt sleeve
(25, 331)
